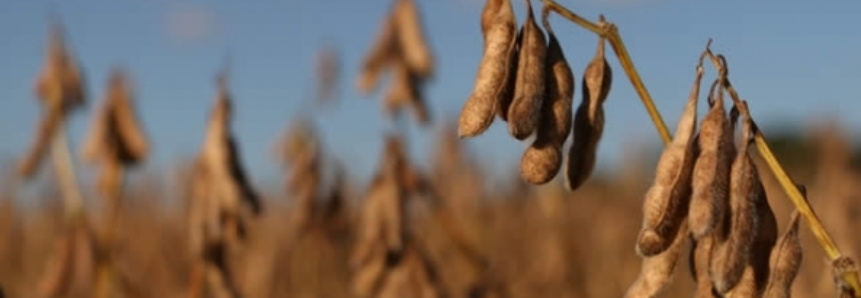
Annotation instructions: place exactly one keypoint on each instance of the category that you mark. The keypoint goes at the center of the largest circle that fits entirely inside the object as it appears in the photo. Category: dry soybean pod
(541, 161)
(755, 277)
(589, 119)
(507, 94)
(785, 258)
(133, 141)
(379, 55)
(412, 38)
(525, 110)
(666, 202)
(493, 72)
(405, 90)
(488, 15)
(739, 228)
(700, 254)
(712, 169)
(656, 271)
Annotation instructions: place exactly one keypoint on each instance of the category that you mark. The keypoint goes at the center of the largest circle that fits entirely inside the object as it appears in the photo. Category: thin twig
(610, 31)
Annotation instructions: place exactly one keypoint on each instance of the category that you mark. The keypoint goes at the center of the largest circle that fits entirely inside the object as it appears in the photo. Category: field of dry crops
(710, 215)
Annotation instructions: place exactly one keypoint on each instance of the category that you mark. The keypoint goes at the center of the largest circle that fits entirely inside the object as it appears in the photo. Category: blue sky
(792, 60)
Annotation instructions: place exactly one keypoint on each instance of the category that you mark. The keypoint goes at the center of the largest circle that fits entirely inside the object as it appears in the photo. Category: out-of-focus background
(794, 61)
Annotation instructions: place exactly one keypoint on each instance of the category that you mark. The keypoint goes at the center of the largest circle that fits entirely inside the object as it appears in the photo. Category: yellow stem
(610, 32)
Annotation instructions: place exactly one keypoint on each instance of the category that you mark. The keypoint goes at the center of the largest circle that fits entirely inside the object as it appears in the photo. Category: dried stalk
(611, 33)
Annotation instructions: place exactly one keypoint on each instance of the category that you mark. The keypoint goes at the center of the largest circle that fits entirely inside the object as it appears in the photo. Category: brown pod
(744, 223)
(588, 120)
(412, 39)
(507, 95)
(381, 54)
(221, 156)
(785, 260)
(756, 273)
(60, 89)
(656, 271)
(666, 202)
(491, 8)
(61, 82)
(712, 169)
(405, 90)
(754, 280)
(699, 260)
(542, 161)
(488, 15)
(493, 72)
(525, 110)
(115, 133)
(132, 138)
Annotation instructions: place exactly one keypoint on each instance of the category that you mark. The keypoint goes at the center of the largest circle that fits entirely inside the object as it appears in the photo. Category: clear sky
(791, 59)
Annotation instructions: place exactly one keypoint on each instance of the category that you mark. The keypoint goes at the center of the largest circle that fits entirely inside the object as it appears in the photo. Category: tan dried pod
(60, 82)
(381, 53)
(491, 8)
(507, 94)
(488, 15)
(666, 202)
(382, 212)
(755, 277)
(134, 143)
(412, 39)
(405, 90)
(700, 257)
(785, 260)
(742, 224)
(60, 89)
(712, 169)
(493, 72)
(220, 154)
(542, 161)
(589, 120)
(525, 110)
(115, 133)
(394, 165)
(368, 278)
(656, 271)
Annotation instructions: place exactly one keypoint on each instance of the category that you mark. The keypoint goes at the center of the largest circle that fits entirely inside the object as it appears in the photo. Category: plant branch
(610, 31)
